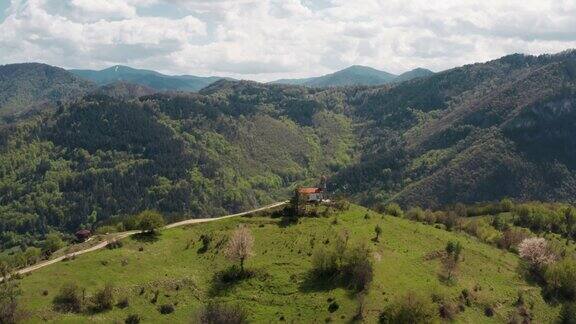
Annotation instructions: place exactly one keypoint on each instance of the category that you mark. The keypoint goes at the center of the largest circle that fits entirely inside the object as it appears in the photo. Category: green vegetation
(475, 133)
(283, 286)
(97, 161)
(150, 221)
(25, 86)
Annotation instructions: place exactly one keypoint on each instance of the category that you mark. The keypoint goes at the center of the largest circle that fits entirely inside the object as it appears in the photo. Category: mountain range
(148, 78)
(357, 75)
(24, 87)
(480, 132)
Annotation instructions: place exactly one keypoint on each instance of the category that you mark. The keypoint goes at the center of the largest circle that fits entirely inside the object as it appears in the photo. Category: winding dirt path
(123, 235)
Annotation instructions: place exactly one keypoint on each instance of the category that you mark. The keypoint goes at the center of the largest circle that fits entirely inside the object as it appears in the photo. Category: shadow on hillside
(224, 281)
(534, 279)
(287, 221)
(315, 283)
(146, 237)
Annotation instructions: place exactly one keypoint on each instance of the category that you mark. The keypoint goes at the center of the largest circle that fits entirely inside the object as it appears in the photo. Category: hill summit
(356, 75)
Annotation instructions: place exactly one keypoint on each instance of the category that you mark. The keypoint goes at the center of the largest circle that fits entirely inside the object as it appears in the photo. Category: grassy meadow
(175, 268)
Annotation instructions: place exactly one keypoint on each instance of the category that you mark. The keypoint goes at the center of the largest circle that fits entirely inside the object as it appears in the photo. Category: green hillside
(31, 85)
(180, 272)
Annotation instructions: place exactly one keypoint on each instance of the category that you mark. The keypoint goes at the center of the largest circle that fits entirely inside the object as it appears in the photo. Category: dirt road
(122, 235)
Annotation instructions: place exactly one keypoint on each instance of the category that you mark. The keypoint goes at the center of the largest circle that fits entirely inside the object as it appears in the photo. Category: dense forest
(480, 132)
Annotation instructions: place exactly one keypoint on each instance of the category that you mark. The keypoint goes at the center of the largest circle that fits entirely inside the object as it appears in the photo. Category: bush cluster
(213, 313)
(350, 266)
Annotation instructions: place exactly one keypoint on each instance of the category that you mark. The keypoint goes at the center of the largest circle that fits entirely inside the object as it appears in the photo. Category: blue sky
(270, 39)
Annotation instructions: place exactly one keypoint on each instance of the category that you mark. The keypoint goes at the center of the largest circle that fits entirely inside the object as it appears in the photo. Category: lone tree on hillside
(239, 246)
(536, 252)
(450, 260)
(150, 221)
(378, 231)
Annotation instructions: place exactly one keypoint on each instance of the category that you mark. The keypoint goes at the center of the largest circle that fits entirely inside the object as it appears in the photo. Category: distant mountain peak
(148, 78)
(356, 75)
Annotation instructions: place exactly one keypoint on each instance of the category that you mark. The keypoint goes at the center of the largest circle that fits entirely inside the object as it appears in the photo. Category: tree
(32, 255)
(561, 278)
(104, 299)
(536, 252)
(9, 293)
(92, 218)
(150, 221)
(52, 243)
(451, 259)
(378, 231)
(239, 246)
(71, 298)
(454, 249)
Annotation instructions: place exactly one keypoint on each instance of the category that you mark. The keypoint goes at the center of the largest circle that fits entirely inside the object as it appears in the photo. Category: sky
(270, 39)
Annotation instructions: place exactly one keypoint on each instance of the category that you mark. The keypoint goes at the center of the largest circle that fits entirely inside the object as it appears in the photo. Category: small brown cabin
(83, 235)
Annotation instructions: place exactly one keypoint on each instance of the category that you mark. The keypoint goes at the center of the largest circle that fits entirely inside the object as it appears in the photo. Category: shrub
(411, 308)
(357, 270)
(568, 313)
(69, 299)
(561, 278)
(448, 309)
(104, 299)
(454, 249)
(133, 319)
(52, 243)
(123, 303)
(416, 214)
(166, 309)
(378, 231)
(512, 237)
(206, 239)
(324, 262)
(232, 274)
(220, 314)
(394, 209)
(350, 267)
(106, 229)
(341, 204)
(114, 244)
(150, 221)
(333, 307)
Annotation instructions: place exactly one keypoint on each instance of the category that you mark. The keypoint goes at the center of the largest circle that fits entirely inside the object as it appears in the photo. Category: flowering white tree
(536, 251)
(239, 246)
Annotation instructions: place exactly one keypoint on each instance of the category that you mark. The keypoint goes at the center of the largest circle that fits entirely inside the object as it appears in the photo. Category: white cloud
(268, 39)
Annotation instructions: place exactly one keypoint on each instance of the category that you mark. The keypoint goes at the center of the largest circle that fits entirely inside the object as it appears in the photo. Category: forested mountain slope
(24, 86)
(474, 133)
(242, 145)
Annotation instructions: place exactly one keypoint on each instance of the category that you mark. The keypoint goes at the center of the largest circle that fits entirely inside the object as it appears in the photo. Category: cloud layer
(269, 39)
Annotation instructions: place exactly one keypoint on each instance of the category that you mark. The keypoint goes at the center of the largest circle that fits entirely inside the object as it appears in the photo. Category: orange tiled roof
(309, 190)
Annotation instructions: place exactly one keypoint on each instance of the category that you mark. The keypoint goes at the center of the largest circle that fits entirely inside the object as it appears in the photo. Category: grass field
(281, 289)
